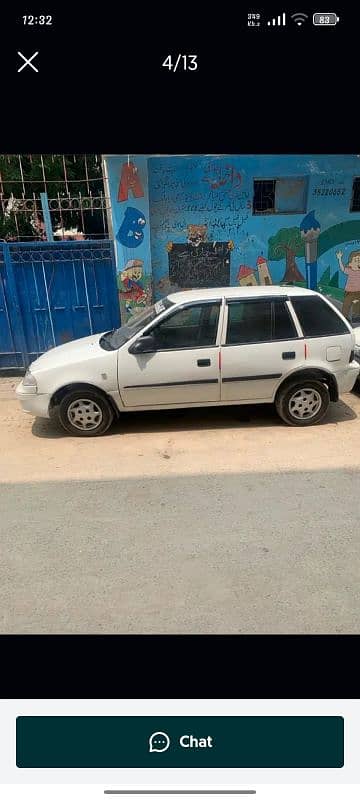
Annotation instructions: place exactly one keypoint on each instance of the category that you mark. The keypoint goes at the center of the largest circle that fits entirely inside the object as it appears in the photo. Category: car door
(261, 343)
(329, 338)
(184, 366)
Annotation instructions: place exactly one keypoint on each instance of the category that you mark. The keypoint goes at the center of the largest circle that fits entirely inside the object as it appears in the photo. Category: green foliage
(285, 238)
(55, 167)
(64, 176)
(10, 231)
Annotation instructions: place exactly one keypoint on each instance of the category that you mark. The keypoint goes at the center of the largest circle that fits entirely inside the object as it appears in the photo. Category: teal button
(135, 742)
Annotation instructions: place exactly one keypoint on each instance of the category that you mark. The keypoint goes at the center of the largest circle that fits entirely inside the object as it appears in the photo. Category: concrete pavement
(203, 521)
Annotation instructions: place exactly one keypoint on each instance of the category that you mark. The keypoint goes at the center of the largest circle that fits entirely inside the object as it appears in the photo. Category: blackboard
(205, 266)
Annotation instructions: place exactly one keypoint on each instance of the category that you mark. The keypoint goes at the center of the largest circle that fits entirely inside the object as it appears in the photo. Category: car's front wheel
(85, 413)
(303, 402)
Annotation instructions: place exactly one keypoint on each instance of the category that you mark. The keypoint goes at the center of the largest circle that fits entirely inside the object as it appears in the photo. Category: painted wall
(129, 195)
(214, 196)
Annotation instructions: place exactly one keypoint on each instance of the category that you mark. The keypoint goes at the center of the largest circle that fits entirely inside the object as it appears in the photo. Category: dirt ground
(202, 521)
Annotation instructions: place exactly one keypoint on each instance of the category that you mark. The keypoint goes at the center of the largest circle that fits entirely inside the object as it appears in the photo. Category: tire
(85, 412)
(309, 398)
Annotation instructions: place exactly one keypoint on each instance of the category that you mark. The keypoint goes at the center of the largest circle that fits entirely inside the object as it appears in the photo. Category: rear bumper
(35, 404)
(358, 362)
(347, 378)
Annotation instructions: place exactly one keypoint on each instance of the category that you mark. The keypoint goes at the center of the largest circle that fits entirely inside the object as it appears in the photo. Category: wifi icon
(299, 18)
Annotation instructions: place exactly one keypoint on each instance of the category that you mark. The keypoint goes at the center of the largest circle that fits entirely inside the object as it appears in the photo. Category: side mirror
(145, 344)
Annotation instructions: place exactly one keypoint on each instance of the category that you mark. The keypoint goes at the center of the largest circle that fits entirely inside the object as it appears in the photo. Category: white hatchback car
(282, 345)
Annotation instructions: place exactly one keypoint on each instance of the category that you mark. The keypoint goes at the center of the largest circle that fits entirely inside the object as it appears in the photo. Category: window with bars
(75, 190)
(280, 196)
(355, 196)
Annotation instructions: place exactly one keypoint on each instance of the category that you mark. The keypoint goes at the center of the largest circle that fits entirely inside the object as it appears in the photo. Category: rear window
(317, 318)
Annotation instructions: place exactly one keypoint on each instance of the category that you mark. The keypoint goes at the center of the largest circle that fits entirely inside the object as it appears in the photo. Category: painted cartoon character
(352, 270)
(196, 236)
(130, 288)
(131, 233)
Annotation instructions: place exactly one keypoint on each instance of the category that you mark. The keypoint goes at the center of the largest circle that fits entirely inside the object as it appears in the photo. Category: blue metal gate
(51, 293)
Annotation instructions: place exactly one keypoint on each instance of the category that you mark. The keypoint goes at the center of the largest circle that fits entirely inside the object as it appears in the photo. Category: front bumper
(33, 403)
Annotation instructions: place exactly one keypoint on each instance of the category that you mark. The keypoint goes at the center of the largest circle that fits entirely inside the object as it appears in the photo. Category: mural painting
(131, 233)
(310, 230)
(258, 276)
(198, 263)
(346, 295)
(263, 271)
(352, 286)
(134, 287)
(288, 244)
(134, 290)
(128, 185)
(129, 181)
(207, 231)
(246, 276)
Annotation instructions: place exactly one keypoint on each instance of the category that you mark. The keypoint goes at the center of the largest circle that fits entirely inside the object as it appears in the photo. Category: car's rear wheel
(85, 413)
(302, 403)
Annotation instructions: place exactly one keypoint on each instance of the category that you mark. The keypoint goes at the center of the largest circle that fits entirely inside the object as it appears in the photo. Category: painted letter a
(129, 180)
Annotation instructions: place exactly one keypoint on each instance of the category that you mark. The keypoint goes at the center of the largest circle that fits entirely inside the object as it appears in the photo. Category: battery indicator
(325, 19)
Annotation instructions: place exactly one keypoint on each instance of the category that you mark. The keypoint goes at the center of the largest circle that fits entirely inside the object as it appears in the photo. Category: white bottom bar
(263, 792)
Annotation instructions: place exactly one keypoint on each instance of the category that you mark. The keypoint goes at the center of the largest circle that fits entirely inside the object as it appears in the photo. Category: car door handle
(289, 354)
(204, 362)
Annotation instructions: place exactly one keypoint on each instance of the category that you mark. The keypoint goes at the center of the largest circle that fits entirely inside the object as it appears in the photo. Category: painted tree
(287, 243)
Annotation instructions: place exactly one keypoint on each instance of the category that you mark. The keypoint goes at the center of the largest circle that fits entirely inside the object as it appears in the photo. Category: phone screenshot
(179, 402)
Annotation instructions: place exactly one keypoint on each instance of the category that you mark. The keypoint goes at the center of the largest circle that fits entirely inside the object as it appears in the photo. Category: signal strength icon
(299, 18)
(280, 20)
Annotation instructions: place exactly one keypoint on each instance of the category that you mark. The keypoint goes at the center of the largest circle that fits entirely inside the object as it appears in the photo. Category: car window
(112, 340)
(192, 326)
(249, 321)
(283, 324)
(252, 321)
(316, 317)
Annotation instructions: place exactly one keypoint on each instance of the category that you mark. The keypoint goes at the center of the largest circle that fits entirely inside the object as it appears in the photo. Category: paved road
(221, 521)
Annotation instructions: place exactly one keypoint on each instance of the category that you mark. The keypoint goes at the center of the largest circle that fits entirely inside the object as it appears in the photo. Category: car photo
(226, 346)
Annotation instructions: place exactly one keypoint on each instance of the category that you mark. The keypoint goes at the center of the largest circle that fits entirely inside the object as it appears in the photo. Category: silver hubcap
(305, 403)
(84, 414)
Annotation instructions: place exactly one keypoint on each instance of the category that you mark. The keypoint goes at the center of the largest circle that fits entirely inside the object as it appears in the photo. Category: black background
(101, 88)
(180, 666)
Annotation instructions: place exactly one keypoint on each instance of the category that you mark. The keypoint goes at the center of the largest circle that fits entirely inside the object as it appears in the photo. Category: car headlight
(30, 380)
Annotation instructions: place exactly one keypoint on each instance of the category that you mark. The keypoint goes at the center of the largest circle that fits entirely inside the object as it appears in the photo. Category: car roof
(240, 292)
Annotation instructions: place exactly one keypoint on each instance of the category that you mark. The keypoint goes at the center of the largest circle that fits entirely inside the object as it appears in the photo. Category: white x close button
(28, 61)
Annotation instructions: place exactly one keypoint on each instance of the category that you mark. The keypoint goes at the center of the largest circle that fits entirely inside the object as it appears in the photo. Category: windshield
(114, 339)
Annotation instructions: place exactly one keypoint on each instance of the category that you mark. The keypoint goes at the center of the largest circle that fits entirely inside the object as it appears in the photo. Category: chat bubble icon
(159, 742)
